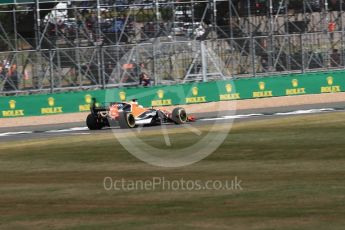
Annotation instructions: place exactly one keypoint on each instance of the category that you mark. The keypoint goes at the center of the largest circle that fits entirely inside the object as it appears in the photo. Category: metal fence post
(51, 75)
(154, 63)
(302, 53)
(102, 66)
(203, 61)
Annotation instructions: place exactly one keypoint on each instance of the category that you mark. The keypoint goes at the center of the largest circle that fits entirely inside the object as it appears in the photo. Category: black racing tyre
(112, 123)
(179, 115)
(92, 123)
(126, 120)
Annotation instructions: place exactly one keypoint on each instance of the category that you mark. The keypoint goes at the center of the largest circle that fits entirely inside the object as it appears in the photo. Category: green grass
(292, 172)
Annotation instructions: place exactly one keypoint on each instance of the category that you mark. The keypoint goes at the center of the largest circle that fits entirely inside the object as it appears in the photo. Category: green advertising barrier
(249, 88)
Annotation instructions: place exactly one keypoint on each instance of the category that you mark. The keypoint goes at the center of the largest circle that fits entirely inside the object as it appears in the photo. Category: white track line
(68, 130)
(308, 111)
(233, 117)
(14, 133)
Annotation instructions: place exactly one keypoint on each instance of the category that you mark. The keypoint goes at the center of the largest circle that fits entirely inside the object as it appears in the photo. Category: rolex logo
(88, 98)
(160, 94)
(195, 91)
(51, 101)
(122, 96)
(12, 104)
(228, 88)
(262, 85)
(295, 83)
(330, 80)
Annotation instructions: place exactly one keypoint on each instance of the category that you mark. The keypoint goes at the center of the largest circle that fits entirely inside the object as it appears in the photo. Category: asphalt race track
(58, 130)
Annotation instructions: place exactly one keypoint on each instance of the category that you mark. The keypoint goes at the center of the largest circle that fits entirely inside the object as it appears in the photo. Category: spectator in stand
(12, 79)
(144, 78)
(109, 71)
(199, 33)
(264, 64)
(335, 58)
(2, 71)
(79, 21)
(91, 23)
(2, 74)
(15, 76)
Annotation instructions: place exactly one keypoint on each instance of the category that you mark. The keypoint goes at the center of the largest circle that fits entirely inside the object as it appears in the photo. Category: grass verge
(291, 172)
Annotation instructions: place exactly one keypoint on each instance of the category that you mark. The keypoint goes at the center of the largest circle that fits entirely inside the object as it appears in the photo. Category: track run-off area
(277, 168)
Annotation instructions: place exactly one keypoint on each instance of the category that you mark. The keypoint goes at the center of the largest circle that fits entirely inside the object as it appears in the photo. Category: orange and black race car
(130, 115)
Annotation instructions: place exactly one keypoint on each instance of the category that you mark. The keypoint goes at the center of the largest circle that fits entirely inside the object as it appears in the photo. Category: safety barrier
(249, 88)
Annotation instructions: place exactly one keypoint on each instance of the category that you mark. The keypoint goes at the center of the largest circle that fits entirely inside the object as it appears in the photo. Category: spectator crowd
(9, 76)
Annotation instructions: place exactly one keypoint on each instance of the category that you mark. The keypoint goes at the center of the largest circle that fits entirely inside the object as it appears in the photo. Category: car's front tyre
(126, 120)
(179, 115)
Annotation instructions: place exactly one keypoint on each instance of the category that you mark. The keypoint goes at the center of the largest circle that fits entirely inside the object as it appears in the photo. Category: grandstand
(70, 45)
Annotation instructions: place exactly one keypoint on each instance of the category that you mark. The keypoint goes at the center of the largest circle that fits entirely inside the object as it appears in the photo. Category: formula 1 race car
(130, 115)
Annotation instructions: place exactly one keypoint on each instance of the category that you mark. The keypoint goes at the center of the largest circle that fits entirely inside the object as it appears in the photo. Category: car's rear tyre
(92, 123)
(112, 123)
(126, 120)
(179, 115)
